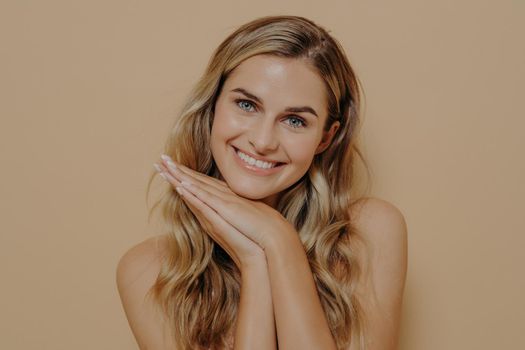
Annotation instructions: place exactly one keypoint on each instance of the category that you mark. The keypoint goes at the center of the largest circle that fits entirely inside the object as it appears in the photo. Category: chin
(249, 193)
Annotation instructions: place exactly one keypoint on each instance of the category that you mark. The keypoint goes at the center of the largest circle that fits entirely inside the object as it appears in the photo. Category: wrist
(255, 261)
(281, 241)
(284, 247)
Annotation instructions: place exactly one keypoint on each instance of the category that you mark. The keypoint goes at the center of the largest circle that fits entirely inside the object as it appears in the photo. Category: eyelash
(304, 123)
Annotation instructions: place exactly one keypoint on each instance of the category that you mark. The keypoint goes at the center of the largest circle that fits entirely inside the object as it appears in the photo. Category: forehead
(279, 81)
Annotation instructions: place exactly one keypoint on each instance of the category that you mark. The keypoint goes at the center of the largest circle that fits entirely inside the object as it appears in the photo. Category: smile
(254, 162)
(256, 167)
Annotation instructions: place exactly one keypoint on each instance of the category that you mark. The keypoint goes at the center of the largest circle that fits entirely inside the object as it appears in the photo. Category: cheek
(219, 125)
(224, 129)
(301, 150)
(225, 122)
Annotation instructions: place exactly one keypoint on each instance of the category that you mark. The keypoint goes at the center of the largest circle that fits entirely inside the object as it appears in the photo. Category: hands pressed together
(244, 228)
(279, 300)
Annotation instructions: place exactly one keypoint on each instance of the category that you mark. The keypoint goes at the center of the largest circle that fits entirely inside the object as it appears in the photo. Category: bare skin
(279, 303)
(381, 222)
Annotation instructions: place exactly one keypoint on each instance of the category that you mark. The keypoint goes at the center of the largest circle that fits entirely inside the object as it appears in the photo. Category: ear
(327, 137)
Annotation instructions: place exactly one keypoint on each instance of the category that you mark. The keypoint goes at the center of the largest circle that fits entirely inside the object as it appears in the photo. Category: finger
(229, 232)
(209, 229)
(218, 192)
(165, 173)
(207, 195)
(229, 237)
(223, 227)
(205, 224)
(213, 198)
(175, 176)
(202, 177)
(226, 207)
(184, 170)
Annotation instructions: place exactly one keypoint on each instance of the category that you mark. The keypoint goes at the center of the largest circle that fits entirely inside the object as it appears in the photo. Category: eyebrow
(287, 109)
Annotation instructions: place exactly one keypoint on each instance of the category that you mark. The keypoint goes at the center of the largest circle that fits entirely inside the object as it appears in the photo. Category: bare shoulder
(140, 263)
(136, 273)
(382, 224)
(384, 228)
(373, 213)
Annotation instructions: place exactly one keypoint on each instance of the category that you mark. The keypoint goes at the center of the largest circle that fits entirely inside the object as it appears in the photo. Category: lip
(252, 169)
(256, 157)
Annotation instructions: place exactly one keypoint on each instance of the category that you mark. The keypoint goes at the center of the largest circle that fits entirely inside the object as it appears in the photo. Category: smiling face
(270, 108)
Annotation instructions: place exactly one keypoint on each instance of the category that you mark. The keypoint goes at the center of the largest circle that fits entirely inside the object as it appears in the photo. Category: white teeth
(257, 163)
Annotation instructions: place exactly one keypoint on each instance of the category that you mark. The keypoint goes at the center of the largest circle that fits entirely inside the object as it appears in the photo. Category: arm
(381, 288)
(299, 316)
(300, 319)
(255, 327)
(136, 272)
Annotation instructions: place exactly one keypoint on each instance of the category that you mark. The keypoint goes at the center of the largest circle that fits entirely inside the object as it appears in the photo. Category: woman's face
(270, 108)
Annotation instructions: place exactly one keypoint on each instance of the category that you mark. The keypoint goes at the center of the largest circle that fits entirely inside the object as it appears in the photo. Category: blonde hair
(198, 287)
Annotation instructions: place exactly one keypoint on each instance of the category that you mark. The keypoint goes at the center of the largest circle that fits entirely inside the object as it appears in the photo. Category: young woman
(266, 244)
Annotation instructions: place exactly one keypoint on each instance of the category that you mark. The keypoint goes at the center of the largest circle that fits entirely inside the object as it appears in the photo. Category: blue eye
(246, 102)
(301, 125)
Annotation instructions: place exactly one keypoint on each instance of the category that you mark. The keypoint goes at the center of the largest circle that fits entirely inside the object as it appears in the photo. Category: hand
(231, 219)
(240, 248)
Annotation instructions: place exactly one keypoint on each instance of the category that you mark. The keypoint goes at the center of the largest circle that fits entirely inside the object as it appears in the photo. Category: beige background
(89, 88)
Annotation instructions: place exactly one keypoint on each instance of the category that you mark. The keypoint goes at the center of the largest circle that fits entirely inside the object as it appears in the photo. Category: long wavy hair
(198, 287)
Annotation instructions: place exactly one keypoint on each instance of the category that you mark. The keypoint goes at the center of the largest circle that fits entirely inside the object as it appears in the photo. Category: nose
(263, 138)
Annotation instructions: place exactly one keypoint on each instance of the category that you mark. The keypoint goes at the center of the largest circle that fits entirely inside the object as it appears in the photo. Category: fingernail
(157, 167)
(168, 160)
